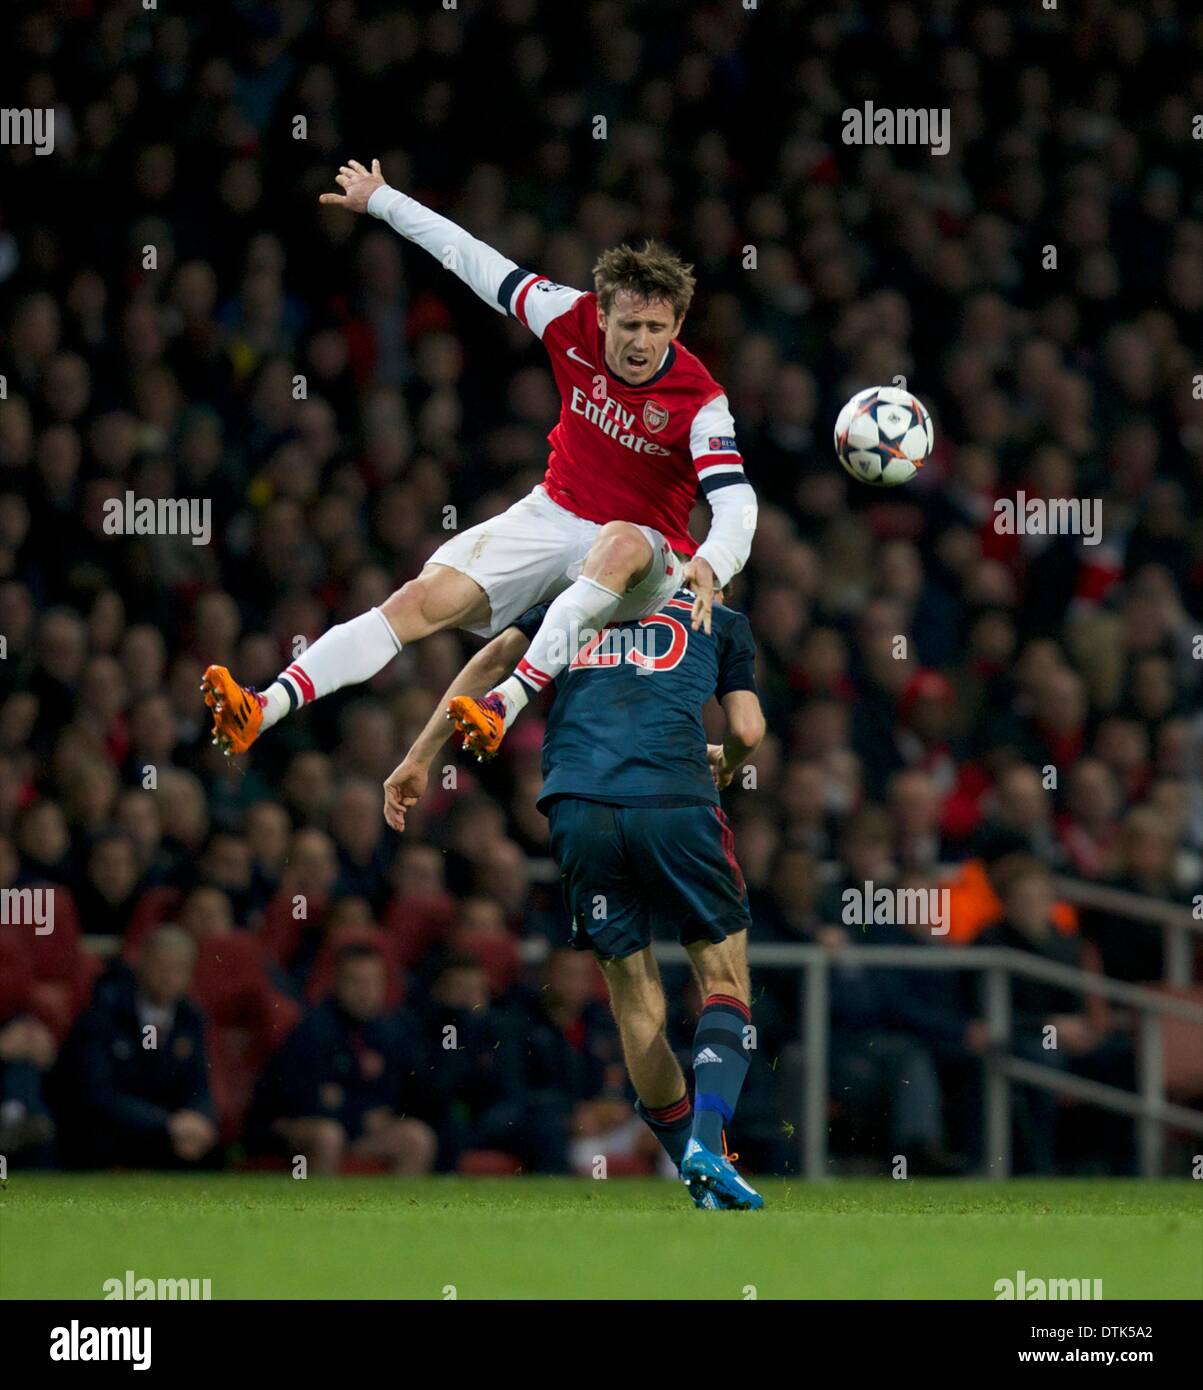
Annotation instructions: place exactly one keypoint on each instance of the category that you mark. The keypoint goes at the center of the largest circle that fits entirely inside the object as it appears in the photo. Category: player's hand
(357, 184)
(405, 785)
(719, 770)
(703, 581)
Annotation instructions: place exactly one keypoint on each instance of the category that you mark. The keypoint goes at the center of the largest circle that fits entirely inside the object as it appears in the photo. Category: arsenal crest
(655, 416)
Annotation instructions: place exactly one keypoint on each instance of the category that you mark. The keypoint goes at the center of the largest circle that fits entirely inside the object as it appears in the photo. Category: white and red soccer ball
(883, 435)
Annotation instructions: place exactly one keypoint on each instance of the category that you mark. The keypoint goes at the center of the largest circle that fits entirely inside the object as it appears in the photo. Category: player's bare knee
(404, 604)
(438, 598)
(621, 552)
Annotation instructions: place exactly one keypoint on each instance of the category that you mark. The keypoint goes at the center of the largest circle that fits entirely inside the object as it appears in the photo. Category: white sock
(580, 612)
(346, 655)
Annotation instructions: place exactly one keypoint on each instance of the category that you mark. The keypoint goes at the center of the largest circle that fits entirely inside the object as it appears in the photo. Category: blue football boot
(714, 1174)
(703, 1198)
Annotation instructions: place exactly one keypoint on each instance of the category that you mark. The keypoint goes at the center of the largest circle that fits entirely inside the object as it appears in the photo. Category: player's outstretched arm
(407, 782)
(480, 267)
(745, 730)
(733, 506)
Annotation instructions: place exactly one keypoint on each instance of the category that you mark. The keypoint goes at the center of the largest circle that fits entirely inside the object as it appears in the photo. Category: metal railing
(1178, 924)
(1148, 1105)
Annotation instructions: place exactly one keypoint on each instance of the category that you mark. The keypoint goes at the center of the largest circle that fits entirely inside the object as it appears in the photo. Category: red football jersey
(621, 452)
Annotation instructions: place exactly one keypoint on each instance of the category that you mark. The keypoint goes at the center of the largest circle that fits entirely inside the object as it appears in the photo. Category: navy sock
(720, 1063)
(670, 1124)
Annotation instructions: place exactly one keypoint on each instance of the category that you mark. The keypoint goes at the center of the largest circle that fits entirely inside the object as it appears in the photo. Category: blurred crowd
(181, 320)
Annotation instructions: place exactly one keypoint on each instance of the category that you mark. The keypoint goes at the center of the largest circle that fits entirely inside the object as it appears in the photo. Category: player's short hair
(649, 272)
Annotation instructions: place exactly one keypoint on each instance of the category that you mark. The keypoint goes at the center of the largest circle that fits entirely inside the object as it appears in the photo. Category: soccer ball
(883, 435)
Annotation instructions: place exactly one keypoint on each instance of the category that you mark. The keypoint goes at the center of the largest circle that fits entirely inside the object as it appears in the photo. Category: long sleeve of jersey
(721, 477)
(481, 268)
(728, 543)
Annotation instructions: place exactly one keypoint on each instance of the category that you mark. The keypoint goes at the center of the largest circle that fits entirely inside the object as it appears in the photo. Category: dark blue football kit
(636, 824)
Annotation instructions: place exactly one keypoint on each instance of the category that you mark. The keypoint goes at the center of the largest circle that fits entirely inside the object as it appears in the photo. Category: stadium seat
(16, 976)
(321, 976)
(281, 931)
(49, 975)
(247, 1021)
(1182, 1048)
(416, 925)
(155, 907)
(498, 958)
(488, 1163)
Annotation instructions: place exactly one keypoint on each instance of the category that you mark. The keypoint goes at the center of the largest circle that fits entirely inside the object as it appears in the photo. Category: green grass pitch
(270, 1236)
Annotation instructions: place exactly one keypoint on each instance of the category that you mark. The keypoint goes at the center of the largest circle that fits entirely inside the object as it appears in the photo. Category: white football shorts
(532, 551)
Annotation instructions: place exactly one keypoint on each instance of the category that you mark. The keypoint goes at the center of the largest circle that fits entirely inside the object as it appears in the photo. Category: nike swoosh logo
(572, 352)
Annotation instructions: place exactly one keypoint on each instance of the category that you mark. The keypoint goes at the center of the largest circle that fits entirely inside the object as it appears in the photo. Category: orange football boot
(482, 723)
(237, 711)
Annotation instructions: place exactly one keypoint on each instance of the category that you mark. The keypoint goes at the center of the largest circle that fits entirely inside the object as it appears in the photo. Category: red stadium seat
(281, 931)
(416, 926)
(155, 907)
(248, 1019)
(488, 1163)
(16, 976)
(321, 977)
(50, 975)
(498, 957)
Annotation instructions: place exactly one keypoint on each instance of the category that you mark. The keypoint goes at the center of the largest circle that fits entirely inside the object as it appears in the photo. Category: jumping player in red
(642, 426)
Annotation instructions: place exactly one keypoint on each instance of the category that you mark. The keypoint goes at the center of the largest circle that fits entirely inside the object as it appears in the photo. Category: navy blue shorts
(633, 871)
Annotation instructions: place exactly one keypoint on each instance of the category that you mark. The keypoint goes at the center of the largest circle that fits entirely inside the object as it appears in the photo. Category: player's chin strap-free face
(621, 324)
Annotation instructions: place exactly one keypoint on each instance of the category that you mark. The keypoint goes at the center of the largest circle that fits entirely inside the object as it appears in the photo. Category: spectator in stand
(462, 1033)
(44, 844)
(110, 888)
(1090, 828)
(421, 414)
(27, 1046)
(1054, 1025)
(1143, 863)
(27, 1052)
(867, 857)
(802, 798)
(914, 800)
(1019, 814)
(132, 1086)
(562, 1063)
(787, 907)
(346, 1082)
